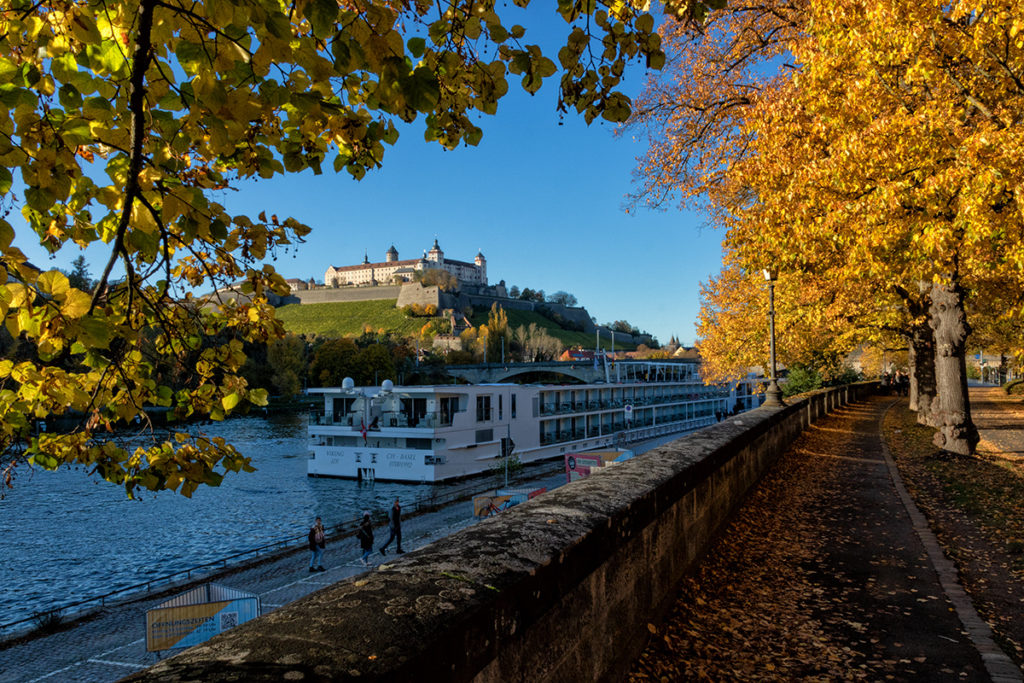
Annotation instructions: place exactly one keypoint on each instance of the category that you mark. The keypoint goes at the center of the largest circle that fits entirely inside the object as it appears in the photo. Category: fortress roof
(381, 264)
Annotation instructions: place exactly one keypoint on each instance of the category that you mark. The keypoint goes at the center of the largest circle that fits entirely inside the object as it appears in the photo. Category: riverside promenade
(110, 643)
(827, 573)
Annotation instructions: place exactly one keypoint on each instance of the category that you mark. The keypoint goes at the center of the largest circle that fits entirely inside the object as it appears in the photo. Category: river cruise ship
(439, 432)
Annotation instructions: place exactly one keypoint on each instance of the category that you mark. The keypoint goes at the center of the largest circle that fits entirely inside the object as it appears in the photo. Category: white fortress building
(392, 269)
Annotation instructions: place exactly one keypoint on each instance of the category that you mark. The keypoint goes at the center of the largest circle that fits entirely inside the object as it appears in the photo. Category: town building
(393, 270)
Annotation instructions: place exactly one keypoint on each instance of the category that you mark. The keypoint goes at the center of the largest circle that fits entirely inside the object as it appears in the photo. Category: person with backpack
(317, 543)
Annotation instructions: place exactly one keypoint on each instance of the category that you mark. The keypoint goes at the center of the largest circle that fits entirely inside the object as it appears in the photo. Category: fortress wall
(335, 294)
(415, 293)
(560, 588)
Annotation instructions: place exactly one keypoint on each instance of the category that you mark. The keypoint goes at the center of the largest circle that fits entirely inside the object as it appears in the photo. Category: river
(67, 536)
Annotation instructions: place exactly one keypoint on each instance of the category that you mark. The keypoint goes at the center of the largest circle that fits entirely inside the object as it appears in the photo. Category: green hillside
(570, 338)
(346, 319)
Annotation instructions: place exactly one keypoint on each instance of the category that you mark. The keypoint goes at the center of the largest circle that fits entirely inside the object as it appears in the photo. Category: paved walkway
(829, 572)
(1000, 420)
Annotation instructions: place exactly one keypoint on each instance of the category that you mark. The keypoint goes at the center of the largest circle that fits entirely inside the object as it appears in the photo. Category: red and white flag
(362, 430)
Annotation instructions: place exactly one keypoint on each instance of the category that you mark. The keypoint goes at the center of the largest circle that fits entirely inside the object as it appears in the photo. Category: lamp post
(772, 396)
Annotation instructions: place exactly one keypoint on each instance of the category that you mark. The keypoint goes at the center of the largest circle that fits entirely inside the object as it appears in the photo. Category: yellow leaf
(76, 304)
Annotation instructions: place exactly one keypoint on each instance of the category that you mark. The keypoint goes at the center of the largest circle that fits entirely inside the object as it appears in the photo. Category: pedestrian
(317, 543)
(365, 536)
(395, 528)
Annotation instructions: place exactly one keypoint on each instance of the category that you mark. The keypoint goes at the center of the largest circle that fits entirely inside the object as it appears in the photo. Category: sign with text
(193, 617)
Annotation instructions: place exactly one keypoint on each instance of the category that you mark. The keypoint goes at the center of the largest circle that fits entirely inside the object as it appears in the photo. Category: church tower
(435, 254)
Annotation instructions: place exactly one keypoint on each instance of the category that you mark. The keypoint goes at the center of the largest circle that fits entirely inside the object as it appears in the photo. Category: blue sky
(543, 201)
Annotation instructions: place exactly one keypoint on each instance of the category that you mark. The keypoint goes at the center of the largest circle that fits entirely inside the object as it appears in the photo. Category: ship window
(449, 406)
(501, 408)
(513, 407)
(484, 435)
(483, 408)
(418, 444)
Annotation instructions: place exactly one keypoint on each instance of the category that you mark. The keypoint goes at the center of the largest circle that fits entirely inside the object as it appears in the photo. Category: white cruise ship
(438, 432)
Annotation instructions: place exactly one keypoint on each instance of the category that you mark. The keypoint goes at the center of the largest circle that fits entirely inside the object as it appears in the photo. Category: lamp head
(768, 275)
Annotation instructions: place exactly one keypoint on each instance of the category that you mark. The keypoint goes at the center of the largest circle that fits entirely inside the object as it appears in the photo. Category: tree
(514, 292)
(120, 120)
(534, 344)
(931, 115)
(286, 358)
(437, 277)
(563, 298)
(498, 338)
(79, 277)
(333, 361)
(884, 161)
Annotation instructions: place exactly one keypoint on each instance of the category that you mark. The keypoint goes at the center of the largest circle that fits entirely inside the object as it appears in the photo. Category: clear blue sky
(543, 201)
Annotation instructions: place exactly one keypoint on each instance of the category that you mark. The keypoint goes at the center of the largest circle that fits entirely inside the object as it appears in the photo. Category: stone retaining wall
(559, 588)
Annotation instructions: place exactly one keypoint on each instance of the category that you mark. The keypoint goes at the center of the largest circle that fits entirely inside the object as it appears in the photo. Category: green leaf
(6, 233)
(322, 15)
(417, 46)
(230, 401)
(95, 333)
(5, 183)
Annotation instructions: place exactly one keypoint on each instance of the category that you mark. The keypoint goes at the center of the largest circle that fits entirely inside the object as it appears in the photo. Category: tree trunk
(951, 410)
(921, 351)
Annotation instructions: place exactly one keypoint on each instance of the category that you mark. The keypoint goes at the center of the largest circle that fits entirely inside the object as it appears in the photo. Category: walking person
(365, 536)
(395, 528)
(317, 543)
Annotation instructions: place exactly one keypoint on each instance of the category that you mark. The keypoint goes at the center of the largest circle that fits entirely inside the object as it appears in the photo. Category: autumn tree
(120, 120)
(497, 337)
(924, 101)
(884, 163)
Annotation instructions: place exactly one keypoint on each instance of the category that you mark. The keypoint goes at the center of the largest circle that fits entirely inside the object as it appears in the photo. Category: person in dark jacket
(395, 528)
(365, 536)
(317, 543)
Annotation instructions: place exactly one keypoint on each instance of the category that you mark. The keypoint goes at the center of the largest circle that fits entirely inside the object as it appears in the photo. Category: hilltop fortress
(394, 271)
(396, 279)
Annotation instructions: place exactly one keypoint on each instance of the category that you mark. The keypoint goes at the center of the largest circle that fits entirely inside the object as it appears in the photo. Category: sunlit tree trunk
(951, 410)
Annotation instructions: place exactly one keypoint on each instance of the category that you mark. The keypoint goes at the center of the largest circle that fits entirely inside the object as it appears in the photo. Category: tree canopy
(855, 147)
(120, 119)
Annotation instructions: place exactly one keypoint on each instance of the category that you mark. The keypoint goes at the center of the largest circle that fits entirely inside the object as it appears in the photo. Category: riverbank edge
(530, 472)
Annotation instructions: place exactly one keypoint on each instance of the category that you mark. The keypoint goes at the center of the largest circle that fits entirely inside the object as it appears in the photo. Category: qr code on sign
(228, 620)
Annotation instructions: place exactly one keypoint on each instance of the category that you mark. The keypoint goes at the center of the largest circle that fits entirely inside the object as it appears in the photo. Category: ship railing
(387, 419)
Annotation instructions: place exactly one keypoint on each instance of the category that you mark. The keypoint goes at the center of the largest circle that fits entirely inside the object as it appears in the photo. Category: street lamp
(772, 396)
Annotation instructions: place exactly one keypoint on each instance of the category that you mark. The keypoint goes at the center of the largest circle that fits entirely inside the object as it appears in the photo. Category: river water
(67, 536)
